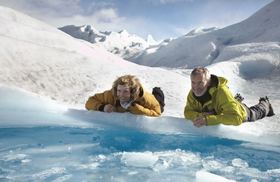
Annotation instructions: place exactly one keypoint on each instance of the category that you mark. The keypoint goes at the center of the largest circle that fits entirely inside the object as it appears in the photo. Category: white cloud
(44, 7)
(100, 19)
(102, 15)
(62, 12)
(107, 15)
(55, 3)
(110, 20)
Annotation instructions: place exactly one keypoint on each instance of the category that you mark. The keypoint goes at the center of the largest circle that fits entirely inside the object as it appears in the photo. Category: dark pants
(257, 111)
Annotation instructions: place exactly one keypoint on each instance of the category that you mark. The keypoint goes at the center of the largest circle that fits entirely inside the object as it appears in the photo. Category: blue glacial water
(125, 154)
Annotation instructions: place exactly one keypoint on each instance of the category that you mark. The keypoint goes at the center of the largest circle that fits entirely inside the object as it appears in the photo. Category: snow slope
(205, 49)
(46, 61)
(120, 43)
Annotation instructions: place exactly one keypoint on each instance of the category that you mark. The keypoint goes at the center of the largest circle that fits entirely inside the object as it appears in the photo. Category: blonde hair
(131, 81)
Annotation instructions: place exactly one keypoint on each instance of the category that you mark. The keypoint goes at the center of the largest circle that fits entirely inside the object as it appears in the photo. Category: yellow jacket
(225, 109)
(146, 104)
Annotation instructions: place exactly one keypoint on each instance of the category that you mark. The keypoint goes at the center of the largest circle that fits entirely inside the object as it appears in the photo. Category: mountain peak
(121, 43)
(124, 32)
(88, 28)
(151, 40)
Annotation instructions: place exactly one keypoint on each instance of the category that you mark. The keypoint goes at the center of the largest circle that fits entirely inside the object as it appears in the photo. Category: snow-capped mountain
(189, 51)
(86, 32)
(120, 43)
(44, 60)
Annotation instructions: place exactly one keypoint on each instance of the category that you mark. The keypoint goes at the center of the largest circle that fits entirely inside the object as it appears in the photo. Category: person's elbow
(156, 112)
(89, 104)
(238, 120)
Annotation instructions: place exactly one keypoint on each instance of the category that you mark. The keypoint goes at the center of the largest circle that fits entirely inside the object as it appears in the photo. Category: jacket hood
(222, 81)
(217, 81)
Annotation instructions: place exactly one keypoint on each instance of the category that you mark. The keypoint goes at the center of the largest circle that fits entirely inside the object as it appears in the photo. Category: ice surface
(75, 145)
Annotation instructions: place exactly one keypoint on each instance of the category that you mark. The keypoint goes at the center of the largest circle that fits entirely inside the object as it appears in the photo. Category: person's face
(123, 93)
(199, 84)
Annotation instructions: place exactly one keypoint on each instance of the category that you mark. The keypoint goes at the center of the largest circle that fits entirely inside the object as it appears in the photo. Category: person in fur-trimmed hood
(210, 102)
(126, 95)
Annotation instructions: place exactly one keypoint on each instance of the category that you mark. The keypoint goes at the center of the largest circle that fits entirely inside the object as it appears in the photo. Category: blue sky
(160, 18)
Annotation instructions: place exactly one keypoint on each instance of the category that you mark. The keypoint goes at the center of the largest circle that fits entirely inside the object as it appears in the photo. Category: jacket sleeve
(99, 100)
(141, 110)
(230, 110)
(190, 111)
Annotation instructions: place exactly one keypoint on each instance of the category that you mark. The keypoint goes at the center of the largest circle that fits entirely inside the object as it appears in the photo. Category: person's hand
(108, 108)
(200, 121)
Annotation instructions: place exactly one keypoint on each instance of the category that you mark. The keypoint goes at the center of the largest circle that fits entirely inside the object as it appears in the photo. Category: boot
(270, 110)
